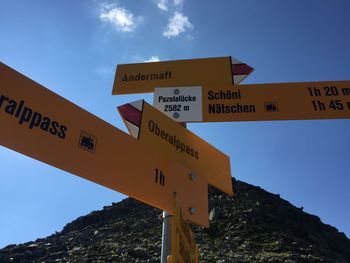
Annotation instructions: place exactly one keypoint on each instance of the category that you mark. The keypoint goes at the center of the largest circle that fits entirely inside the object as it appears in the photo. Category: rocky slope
(252, 226)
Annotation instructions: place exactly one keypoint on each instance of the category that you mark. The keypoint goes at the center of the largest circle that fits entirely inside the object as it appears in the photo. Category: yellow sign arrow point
(40, 124)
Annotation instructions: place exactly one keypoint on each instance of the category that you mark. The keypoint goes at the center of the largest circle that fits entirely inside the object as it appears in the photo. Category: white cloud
(178, 24)
(104, 70)
(162, 4)
(122, 19)
(153, 59)
(178, 2)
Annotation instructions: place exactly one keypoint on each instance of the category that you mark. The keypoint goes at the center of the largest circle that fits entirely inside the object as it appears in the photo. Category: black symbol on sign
(271, 106)
(87, 142)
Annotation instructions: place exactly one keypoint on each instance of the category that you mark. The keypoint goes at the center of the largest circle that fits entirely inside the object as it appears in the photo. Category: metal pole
(166, 230)
(166, 237)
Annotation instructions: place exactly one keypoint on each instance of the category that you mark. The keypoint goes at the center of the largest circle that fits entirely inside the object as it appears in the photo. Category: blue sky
(73, 47)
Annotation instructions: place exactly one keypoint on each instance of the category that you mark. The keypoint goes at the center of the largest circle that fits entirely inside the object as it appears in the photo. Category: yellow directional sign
(144, 77)
(285, 101)
(173, 140)
(40, 124)
(183, 245)
(256, 102)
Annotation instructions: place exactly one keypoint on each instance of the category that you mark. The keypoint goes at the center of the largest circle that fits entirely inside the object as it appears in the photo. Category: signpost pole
(166, 231)
(166, 237)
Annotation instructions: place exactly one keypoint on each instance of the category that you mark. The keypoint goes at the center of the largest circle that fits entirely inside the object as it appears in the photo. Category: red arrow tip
(130, 114)
(241, 69)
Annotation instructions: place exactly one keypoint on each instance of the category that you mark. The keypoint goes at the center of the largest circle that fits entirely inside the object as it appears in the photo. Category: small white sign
(182, 104)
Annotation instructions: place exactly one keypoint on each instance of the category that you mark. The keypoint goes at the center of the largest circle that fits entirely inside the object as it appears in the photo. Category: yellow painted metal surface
(40, 124)
(144, 77)
(279, 101)
(175, 141)
(183, 246)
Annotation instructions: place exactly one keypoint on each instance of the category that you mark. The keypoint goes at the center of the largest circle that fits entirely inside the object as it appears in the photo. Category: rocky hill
(252, 226)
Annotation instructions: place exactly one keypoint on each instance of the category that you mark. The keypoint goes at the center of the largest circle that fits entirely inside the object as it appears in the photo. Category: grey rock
(251, 226)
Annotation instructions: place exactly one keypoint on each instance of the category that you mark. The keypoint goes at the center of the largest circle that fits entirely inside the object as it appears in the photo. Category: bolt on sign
(168, 137)
(144, 77)
(183, 245)
(261, 102)
(40, 124)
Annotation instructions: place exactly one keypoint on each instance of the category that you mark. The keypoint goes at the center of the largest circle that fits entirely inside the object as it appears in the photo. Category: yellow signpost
(144, 77)
(176, 142)
(40, 124)
(167, 160)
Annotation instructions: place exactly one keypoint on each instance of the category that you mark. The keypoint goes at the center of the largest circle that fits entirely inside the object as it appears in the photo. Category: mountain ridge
(251, 226)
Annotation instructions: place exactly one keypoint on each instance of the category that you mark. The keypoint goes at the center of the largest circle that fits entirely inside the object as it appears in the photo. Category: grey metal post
(166, 237)
(166, 230)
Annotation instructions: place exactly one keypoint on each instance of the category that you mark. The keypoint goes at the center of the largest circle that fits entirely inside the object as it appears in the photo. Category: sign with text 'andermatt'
(175, 141)
(266, 102)
(144, 77)
(40, 124)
